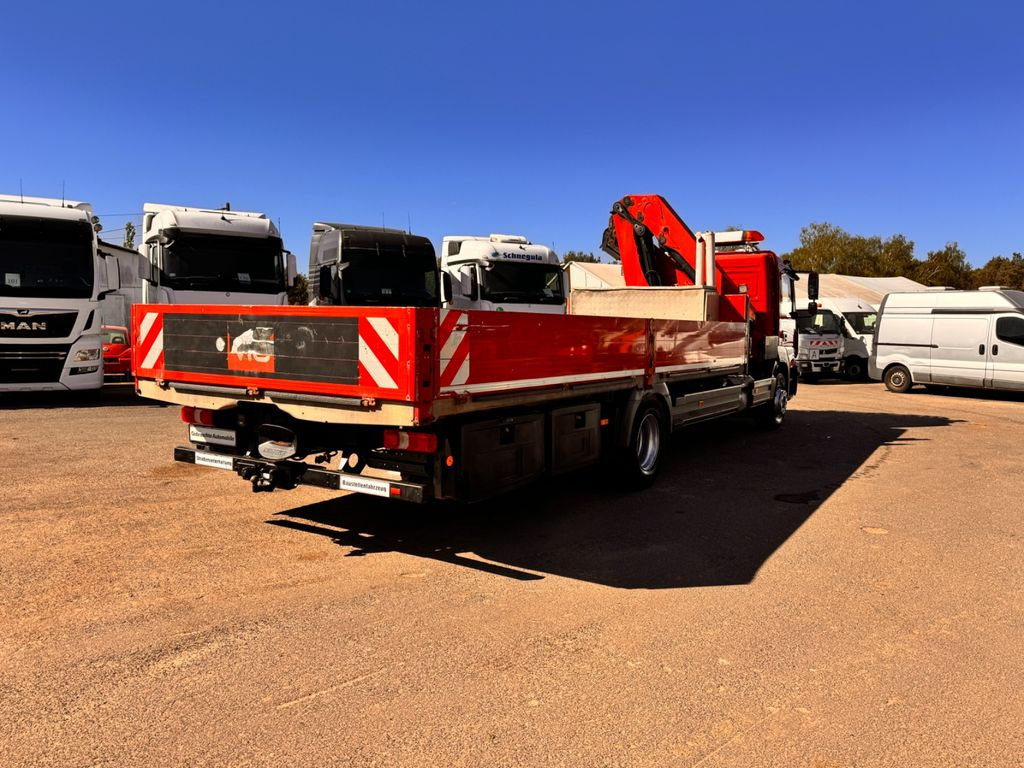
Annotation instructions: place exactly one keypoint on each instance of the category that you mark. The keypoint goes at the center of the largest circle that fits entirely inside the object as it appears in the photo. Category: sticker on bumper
(361, 484)
(215, 460)
(211, 435)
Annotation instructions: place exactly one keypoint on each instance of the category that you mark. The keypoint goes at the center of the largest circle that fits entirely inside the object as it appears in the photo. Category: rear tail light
(191, 415)
(417, 442)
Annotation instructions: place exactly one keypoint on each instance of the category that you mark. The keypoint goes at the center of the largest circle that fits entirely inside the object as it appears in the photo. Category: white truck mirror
(469, 286)
(292, 271)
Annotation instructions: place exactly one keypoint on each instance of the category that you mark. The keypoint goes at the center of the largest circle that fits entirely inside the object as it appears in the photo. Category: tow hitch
(265, 478)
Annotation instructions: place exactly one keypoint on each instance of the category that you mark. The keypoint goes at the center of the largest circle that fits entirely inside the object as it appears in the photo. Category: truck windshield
(860, 322)
(45, 258)
(194, 262)
(390, 276)
(511, 283)
(823, 322)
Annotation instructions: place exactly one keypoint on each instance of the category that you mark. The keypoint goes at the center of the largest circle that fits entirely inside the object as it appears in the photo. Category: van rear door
(1006, 353)
(960, 349)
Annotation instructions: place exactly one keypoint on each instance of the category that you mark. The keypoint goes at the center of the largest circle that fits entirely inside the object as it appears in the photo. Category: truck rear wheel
(640, 461)
(897, 379)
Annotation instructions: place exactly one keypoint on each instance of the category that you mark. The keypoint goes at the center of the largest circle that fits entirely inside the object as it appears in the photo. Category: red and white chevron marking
(379, 352)
(454, 360)
(150, 344)
(823, 343)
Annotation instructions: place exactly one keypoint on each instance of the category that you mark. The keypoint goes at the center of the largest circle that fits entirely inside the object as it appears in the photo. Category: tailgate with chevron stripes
(365, 352)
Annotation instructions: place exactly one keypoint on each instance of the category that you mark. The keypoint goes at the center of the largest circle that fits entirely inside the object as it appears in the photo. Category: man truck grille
(32, 363)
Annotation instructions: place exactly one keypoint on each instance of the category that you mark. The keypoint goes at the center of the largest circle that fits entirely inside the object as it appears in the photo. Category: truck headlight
(84, 355)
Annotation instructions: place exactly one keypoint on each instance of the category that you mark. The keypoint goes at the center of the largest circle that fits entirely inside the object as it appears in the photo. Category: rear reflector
(417, 442)
(191, 415)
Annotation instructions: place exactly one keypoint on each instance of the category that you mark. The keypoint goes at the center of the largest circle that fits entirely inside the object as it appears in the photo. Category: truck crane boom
(657, 248)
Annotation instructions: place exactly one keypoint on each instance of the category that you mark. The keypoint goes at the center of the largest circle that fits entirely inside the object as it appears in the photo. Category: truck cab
(819, 343)
(355, 265)
(212, 256)
(502, 273)
(52, 279)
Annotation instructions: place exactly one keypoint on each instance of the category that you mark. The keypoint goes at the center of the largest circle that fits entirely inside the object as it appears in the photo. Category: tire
(897, 379)
(640, 461)
(773, 413)
(856, 368)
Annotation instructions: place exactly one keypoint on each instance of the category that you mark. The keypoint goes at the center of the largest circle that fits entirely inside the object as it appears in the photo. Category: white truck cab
(213, 256)
(502, 273)
(52, 279)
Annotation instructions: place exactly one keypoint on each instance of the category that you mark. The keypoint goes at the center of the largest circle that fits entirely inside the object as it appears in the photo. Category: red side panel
(505, 351)
(365, 352)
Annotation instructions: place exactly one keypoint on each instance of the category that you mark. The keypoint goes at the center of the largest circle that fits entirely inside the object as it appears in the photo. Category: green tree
(896, 258)
(828, 248)
(999, 270)
(946, 266)
(821, 248)
(589, 258)
(129, 236)
(299, 292)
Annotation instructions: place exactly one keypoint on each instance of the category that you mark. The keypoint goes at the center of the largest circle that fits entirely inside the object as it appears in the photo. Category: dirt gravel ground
(844, 592)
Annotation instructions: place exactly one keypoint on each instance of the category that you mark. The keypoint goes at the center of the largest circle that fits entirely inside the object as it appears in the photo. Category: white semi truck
(213, 256)
(502, 273)
(52, 279)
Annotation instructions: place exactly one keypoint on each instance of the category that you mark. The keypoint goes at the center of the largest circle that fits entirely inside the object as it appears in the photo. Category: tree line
(828, 248)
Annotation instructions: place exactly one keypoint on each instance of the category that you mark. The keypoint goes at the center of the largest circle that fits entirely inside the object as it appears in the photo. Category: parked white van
(857, 322)
(957, 338)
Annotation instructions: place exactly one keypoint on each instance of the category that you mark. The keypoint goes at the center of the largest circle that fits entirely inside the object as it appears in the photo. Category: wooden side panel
(682, 345)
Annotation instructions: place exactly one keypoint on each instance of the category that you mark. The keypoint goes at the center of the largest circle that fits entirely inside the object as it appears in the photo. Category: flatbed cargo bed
(410, 367)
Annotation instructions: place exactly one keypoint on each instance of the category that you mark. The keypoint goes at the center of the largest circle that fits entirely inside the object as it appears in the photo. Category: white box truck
(952, 338)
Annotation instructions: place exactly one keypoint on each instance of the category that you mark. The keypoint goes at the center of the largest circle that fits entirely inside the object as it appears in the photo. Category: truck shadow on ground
(727, 498)
(113, 394)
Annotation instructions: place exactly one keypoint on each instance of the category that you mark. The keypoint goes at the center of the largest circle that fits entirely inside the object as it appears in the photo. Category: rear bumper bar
(267, 475)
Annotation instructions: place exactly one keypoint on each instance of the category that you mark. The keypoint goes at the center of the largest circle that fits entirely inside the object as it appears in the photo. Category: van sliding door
(960, 350)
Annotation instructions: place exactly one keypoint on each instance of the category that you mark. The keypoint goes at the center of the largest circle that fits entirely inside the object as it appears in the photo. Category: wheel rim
(648, 443)
(896, 377)
(781, 403)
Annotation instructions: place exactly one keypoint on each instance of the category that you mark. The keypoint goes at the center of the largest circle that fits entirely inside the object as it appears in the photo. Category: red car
(117, 351)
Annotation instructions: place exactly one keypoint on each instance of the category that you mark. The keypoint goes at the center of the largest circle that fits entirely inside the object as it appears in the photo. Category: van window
(861, 322)
(1010, 329)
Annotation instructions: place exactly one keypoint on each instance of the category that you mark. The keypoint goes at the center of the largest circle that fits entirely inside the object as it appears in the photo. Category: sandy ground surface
(844, 592)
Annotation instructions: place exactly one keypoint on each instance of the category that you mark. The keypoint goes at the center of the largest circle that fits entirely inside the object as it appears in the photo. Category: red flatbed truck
(420, 402)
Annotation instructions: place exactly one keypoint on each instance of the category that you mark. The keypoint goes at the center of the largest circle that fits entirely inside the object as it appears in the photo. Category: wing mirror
(446, 287)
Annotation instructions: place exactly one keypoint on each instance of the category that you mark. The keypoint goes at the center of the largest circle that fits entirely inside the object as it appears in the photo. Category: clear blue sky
(528, 117)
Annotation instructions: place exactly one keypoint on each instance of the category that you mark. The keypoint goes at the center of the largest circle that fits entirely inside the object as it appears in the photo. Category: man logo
(22, 325)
